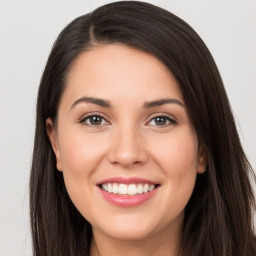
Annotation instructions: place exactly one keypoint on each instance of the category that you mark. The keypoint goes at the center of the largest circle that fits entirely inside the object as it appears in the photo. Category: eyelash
(88, 117)
(171, 121)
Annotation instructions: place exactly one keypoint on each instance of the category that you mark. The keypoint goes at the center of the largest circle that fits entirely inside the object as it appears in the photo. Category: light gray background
(27, 32)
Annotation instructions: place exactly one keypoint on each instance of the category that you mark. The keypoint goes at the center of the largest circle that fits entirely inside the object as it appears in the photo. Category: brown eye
(95, 120)
(161, 121)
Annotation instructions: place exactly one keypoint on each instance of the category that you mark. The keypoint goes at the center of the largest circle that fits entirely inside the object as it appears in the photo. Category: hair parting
(219, 216)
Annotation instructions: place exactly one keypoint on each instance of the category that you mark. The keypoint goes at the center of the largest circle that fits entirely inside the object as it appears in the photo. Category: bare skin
(122, 114)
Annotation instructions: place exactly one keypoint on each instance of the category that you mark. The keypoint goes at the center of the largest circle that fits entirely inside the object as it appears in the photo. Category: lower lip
(128, 201)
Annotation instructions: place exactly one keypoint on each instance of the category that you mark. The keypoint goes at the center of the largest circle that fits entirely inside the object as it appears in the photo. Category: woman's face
(123, 130)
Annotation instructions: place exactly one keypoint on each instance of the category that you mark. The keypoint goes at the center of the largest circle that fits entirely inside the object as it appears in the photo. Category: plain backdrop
(27, 32)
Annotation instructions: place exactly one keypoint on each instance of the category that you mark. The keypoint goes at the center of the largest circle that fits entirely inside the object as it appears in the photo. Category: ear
(52, 134)
(202, 159)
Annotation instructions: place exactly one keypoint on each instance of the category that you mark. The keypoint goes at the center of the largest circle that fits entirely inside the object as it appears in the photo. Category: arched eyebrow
(157, 103)
(97, 101)
(107, 104)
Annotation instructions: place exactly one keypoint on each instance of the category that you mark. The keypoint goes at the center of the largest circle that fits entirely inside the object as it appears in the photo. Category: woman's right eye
(94, 120)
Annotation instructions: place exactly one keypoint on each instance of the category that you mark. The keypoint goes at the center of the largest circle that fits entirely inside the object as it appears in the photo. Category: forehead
(117, 71)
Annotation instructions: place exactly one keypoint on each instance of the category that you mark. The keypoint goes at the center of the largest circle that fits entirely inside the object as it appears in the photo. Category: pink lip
(123, 180)
(128, 201)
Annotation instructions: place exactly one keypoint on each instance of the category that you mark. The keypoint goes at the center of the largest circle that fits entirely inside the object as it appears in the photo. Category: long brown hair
(219, 216)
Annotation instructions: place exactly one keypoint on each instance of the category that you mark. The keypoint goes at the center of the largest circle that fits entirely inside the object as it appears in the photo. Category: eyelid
(91, 114)
(171, 119)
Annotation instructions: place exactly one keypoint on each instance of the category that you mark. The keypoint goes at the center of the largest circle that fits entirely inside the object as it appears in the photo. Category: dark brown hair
(219, 216)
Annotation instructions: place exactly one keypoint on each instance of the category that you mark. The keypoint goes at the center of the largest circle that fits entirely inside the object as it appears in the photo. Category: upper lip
(124, 180)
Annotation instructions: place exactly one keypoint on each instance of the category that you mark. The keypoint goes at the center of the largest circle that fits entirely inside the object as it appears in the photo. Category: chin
(128, 228)
(130, 233)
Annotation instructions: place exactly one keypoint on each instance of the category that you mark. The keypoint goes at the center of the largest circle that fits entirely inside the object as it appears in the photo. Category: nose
(128, 148)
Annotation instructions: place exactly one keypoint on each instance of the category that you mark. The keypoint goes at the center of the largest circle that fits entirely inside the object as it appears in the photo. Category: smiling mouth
(128, 189)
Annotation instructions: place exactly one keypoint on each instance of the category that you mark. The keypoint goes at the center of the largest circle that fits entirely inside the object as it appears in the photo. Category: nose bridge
(127, 145)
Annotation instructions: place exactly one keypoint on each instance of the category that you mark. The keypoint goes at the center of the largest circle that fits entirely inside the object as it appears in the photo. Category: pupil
(96, 120)
(160, 120)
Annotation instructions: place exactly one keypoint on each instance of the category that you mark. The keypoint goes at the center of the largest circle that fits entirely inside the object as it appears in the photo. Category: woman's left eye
(162, 121)
(94, 120)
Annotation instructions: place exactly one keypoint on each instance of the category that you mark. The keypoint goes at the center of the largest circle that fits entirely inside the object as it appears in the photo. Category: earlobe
(201, 169)
(202, 160)
(52, 135)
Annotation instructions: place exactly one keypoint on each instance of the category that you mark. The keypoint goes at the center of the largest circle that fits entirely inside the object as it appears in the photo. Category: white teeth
(151, 187)
(122, 189)
(110, 188)
(132, 190)
(140, 189)
(125, 189)
(145, 188)
(115, 189)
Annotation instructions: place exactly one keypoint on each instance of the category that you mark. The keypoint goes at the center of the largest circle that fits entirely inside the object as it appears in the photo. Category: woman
(136, 150)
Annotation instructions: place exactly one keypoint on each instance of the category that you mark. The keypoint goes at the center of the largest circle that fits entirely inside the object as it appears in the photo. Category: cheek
(80, 157)
(177, 157)
(178, 154)
(79, 153)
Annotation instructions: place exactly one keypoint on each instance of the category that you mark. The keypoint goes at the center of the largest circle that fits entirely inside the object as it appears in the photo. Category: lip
(127, 201)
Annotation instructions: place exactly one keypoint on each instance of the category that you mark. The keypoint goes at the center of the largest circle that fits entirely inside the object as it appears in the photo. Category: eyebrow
(157, 103)
(106, 103)
(97, 101)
